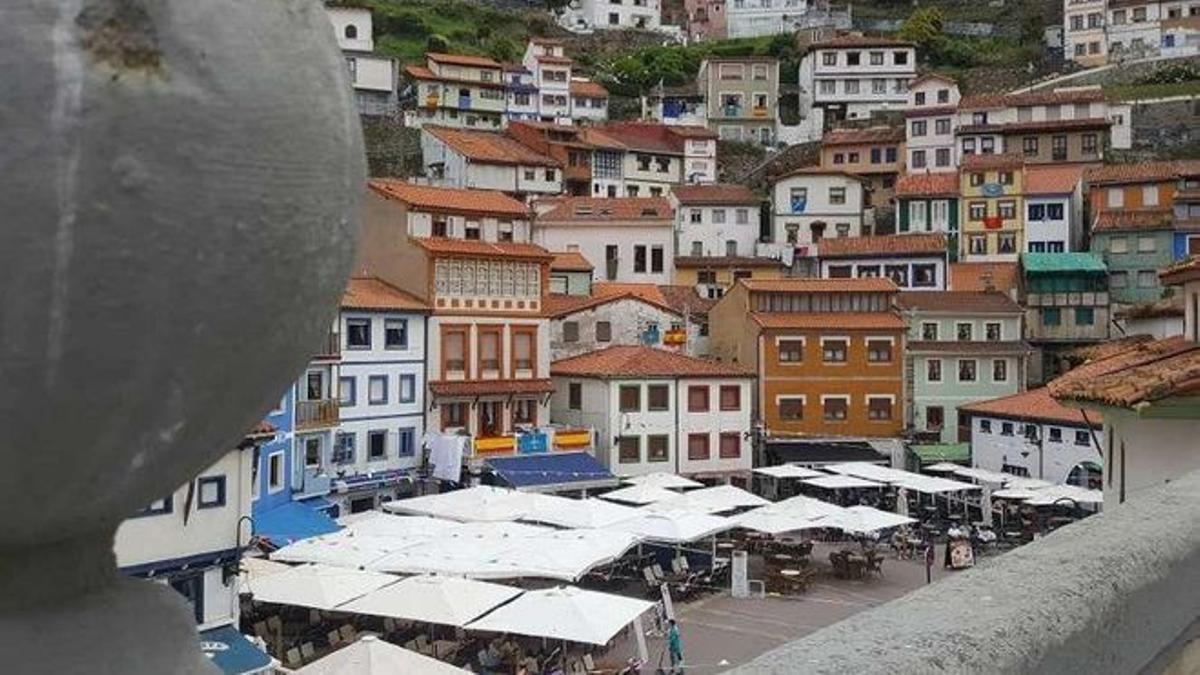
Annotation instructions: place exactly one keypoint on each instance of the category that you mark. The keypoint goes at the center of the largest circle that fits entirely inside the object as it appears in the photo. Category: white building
(627, 238)
(627, 314)
(546, 59)
(589, 100)
(852, 76)
(915, 262)
(1134, 29)
(374, 77)
(1053, 208)
(716, 220)
(484, 160)
(426, 211)
(521, 93)
(1084, 40)
(1030, 434)
(613, 14)
(931, 123)
(812, 204)
(752, 18)
(381, 388)
(655, 410)
(458, 91)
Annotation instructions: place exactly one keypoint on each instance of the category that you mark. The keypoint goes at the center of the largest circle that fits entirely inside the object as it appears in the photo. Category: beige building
(875, 153)
(742, 97)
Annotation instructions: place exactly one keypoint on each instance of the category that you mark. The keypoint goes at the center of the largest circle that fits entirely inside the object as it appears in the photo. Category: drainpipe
(677, 433)
(424, 404)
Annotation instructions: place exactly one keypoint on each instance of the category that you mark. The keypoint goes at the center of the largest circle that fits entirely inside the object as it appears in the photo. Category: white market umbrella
(943, 467)
(1063, 493)
(983, 475)
(1018, 494)
(576, 513)
(339, 549)
(372, 656)
(841, 482)
(1022, 483)
(318, 586)
(802, 506)
(569, 613)
(865, 519)
(674, 527)
(788, 471)
(379, 523)
(448, 601)
(254, 569)
(639, 494)
(481, 503)
(761, 520)
(710, 500)
(664, 480)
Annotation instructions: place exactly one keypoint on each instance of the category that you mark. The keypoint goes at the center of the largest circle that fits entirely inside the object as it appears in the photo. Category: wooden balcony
(330, 348)
(316, 414)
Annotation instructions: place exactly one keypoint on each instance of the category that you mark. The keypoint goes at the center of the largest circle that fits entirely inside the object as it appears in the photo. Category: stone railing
(1115, 593)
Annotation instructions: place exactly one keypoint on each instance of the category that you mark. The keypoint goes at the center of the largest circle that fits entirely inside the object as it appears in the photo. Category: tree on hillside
(924, 27)
(437, 43)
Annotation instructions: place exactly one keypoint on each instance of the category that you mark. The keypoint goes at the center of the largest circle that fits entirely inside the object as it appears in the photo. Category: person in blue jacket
(675, 646)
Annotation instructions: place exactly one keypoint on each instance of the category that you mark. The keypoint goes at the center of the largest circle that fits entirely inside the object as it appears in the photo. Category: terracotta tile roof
(928, 185)
(598, 138)
(604, 292)
(725, 261)
(842, 41)
(1146, 373)
(262, 429)
(1042, 97)
(635, 361)
(554, 60)
(975, 276)
(474, 247)
(570, 261)
(450, 199)
(1104, 350)
(588, 88)
(691, 131)
(835, 320)
(869, 135)
(820, 171)
(490, 387)
(645, 136)
(418, 72)
(462, 60)
(958, 302)
(716, 194)
(610, 211)
(1167, 307)
(369, 293)
(1115, 220)
(1051, 179)
(1035, 404)
(686, 300)
(932, 76)
(1044, 125)
(489, 147)
(813, 285)
(964, 347)
(1183, 271)
(1116, 355)
(887, 245)
(978, 162)
(930, 111)
(1140, 172)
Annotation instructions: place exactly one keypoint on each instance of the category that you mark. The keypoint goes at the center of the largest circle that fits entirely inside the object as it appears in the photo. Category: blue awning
(553, 471)
(232, 652)
(293, 521)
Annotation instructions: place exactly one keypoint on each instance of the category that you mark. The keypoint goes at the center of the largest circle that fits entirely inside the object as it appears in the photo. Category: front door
(491, 419)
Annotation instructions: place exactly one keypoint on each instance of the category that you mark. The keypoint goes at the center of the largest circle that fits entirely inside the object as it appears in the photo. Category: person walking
(675, 646)
(929, 555)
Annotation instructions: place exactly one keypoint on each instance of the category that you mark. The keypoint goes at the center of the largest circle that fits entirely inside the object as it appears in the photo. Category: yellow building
(992, 208)
(713, 275)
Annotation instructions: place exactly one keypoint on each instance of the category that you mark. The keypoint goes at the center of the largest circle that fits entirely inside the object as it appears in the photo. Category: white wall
(420, 224)
(1155, 451)
(714, 423)
(1054, 463)
(592, 242)
(938, 262)
(372, 73)
(817, 208)
(1047, 231)
(360, 19)
(713, 235)
(627, 318)
(596, 412)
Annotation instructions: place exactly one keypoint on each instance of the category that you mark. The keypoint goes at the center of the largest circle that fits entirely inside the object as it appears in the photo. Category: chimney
(988, 285)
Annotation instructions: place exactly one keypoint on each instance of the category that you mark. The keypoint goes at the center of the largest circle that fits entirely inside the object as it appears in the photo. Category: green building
(963, 346)
(1134, 246)
(928, 202)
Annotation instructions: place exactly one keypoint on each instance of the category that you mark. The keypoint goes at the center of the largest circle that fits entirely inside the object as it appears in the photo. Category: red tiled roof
(369, 293)
(724, 261)
(490, 387)
(978, 162)
(1035, 404)
(588, 88)
(554, 60)
(604, 292)
(933, 243)
(1113, 356)
(1140, 172)
(489, 147)
(1104, 350)
(835, 320)
(1145, 373)
(813, 285)
(610, 211)
(686, 300)
(462, 60)
(927, 185)
(418, 72)
(1041, 97)
(842, 41)
(1052, 179)
(630, 361)
(450, 199)
(974, 276)
(1167, 307)
(1183, 271)
(691, 131)
(261, 429)
(598, 138)
(869, 135)
(1028, 127)
(475, 247)
(570, 261)
(716, 194)
(821, 171)
(1116, 220)
(958, 302)
(646, 136)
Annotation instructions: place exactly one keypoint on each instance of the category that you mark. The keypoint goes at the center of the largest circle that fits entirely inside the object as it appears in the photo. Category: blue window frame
(348, 391)
(210, 492)
(408, 388)
(395, 333)
(157, 508)
(408, 441)
(343, 447)
(377, 390)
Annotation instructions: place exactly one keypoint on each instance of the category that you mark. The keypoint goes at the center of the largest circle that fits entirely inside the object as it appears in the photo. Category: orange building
(828, 353)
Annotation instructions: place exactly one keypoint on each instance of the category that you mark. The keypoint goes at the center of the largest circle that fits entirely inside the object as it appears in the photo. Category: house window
(1119, 279)
(377, 393)
(454, 350)
(657, 448)
(835, 408)
(833, 351)
(1006, 178)
(603, 331)
(630, 398)
(570, 331)
(929, 331)
(791, 351)
(1118, 245)
(1085, 316)
(1055, 435)
(897, 273)
(696, 216)
(977, 244)
(853, 58)
(1146, 245)
(900, 58)
(489, 348)
(1037, 212)
(395, 334)
(656, 259)
(992, 331)
(1089, 144)
(919, 127)
(924, 276)
(523, 351)
(918, 161)
(472, 231)
(829, 58)
(977, 211)
(698, 449)
(358, 333)
(1051, 316)
(1116, 197)
(454, 415)
(879, 408)
(1006, 242)
(376, 445)
(999, 370)
(1007, 209)
(343, 447)
(966, 370)
(165, 505)
(1006, 429)
(731, 397)
(629, 450)
(964, 331)
(933, 370)
(407, 442)
(210, 492)
(837, 195)
(274, 472)
(1083, 438)
(312, 452)
(575, 396)
(840, 271)
(791, 409)
(868, 271)
(698, 398)
(658, 397)
(731, 446)
(985, 426)
(524, 411)
(550, 175)
(1147, 279)
(935, 418)
(347, 393)
(1150, 195)
(941, 126)
(408, 388)
(941, 157)
(879, 351)
(742, 216)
